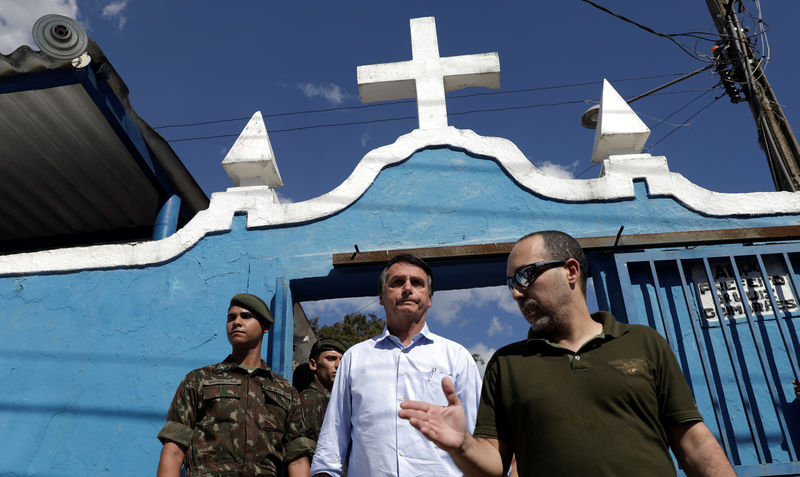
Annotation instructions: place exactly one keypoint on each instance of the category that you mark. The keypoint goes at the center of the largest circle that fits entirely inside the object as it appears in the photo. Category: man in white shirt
(407, 361)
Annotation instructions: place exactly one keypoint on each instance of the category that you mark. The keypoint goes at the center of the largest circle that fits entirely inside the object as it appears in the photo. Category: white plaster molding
(251, 161)
(427, 76)
(263, 209)
(619, 130)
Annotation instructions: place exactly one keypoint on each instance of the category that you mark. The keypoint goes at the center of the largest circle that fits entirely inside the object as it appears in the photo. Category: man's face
(405, 294)
(545, 301)
(325, 367)
(243, 327)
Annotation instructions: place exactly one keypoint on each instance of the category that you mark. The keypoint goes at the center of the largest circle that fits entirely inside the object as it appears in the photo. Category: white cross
(427, 76)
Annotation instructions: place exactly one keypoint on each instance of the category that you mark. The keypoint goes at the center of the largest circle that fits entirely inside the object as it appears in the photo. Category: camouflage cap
(327, 344)
(254, 304)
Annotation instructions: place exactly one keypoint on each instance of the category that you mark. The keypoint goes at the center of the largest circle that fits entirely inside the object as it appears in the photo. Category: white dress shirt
(374, 377)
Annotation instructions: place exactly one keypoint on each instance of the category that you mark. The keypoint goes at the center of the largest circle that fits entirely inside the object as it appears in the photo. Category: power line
(687, 122)
(669, 37)
(315, 126)
(346, 108)
(369, 121)
(404, 118)
(682, 108)
(594, 164)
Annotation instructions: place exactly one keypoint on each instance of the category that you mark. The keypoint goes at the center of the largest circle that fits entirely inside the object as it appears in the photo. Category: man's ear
(312, 364)
(573, 271)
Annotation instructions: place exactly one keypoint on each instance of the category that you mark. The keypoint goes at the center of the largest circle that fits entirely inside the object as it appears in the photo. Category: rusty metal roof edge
(590, 244)
(25, 60)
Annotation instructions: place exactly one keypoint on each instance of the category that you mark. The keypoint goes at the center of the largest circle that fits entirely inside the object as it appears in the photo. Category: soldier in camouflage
(323, 361)
(236, 418)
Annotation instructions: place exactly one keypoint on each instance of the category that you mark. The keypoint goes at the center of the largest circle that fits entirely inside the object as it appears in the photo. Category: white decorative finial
(427, 76)
(251, 162)
(619, 130)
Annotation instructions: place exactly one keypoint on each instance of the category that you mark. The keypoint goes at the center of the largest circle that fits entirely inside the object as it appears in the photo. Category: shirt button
(401, 424)
(402, 373)
(402, 453)
(577, 358)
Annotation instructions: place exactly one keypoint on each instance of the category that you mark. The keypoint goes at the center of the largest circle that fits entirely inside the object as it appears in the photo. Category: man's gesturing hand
(445, 426)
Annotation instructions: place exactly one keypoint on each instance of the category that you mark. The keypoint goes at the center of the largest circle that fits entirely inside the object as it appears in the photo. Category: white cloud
(116, 9)
(284, 199)
(17, 18)
(496, 326)
(558, 170)
(448, 303)
(335, 309)
(484, 354)
(331, 92)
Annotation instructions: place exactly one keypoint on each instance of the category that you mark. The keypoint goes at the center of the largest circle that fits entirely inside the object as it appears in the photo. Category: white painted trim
(263, 209)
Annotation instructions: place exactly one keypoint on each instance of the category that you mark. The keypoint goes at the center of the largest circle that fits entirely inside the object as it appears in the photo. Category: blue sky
(202, 61)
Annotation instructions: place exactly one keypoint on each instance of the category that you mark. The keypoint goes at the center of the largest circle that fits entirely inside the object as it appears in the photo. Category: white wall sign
(754, 288)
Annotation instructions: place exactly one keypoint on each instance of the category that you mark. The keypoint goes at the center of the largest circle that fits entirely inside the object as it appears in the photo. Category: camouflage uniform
(234, 423)
(314, 401)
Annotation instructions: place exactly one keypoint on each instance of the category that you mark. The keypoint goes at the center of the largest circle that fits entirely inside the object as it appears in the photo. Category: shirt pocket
(431, 385)
(277, 404)
(221, 402)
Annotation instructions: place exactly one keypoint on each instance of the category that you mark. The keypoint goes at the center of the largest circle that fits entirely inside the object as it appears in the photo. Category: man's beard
(544, 320)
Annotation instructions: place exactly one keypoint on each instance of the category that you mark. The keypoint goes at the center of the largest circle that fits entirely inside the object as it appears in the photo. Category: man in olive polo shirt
(326, 354)
(583, 395)
(236, 417)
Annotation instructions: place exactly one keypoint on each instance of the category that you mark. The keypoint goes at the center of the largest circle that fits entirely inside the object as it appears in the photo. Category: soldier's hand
(445, 426)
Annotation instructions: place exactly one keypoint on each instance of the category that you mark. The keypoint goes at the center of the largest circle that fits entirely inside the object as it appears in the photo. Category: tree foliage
(354, 328)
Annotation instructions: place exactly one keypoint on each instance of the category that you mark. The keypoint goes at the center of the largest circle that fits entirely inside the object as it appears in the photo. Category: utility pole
(774, 133)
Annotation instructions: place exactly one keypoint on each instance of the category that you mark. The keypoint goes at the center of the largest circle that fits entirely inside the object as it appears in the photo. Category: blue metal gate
(731, 314)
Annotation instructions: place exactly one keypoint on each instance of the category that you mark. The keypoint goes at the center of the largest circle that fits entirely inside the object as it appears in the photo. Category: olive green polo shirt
(599, 411)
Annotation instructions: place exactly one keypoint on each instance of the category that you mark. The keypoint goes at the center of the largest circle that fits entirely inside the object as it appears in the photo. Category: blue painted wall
(90, 360)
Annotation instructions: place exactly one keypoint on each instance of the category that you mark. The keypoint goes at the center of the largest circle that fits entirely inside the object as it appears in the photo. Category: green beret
(254, 305)
(327, 344)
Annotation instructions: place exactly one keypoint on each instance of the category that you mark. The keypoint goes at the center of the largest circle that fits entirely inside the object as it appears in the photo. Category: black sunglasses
(527, 274)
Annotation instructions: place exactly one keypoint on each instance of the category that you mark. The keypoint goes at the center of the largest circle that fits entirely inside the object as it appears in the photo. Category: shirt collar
(320, 388)
(611, 329)
(230, 364)
(424, 336)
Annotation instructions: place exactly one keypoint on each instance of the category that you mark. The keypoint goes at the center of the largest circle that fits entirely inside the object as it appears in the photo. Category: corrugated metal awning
(77, 164)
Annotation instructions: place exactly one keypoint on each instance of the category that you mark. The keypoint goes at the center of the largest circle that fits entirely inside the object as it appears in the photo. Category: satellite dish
(60, 37)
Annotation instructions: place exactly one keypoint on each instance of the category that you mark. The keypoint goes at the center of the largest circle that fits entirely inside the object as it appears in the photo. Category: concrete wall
(93, 341)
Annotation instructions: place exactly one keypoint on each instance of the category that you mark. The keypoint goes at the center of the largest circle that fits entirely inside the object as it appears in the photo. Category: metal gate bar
(737, 369)
(781, 325)
(745, 333)
(707, 372)
(668, 331)
(762, 355)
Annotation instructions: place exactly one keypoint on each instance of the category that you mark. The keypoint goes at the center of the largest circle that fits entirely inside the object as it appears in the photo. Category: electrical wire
(677, 126)
(686, 123)
(405, 118)
(659, 123)
(369, 121)
(391, 103)
(670, 37)
(315, 126)
(594, 164)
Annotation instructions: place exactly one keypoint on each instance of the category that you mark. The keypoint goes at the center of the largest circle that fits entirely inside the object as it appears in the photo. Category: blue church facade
(95, 339)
